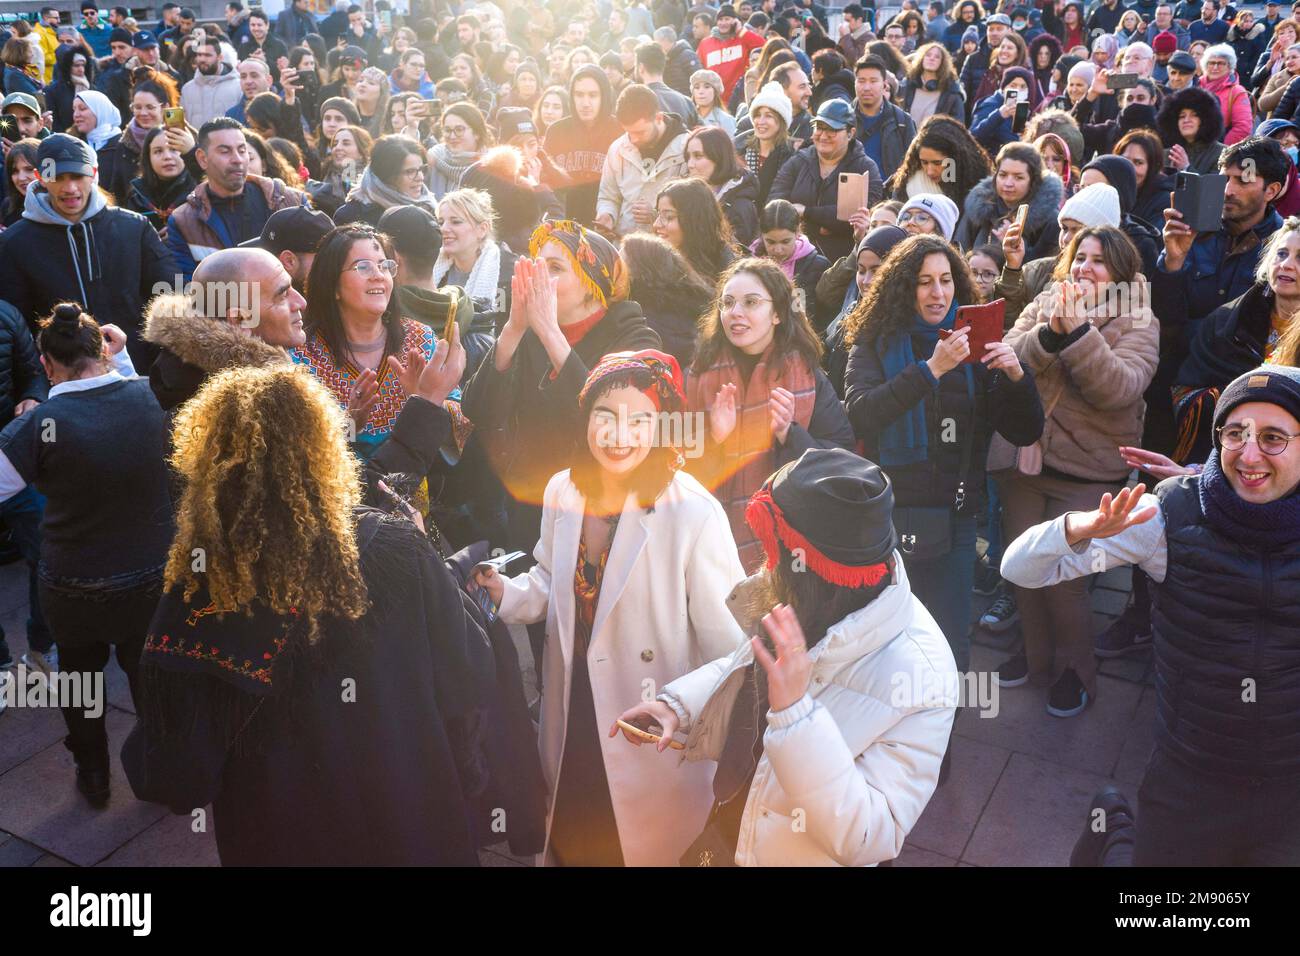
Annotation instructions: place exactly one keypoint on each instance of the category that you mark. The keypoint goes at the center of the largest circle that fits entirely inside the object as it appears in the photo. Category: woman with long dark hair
(149, 97)
(943, 158)
(672, 295)
(757, 373)
(687, 216)
(20, 172)
(267, 116)
(904, 385)
(102, 554)
(1010, 52)
(165, 178)
(395, 177)
(711, 156)
(1144, 150)
(75, 70)
(635, 564)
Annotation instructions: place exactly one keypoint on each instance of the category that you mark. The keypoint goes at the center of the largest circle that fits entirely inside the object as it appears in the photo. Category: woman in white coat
(857, 724)
(634, 567)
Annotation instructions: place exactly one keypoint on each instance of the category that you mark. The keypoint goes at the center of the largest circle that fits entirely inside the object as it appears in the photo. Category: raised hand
(542, 311)
(1152, 462)
(1178, 238)
(114, 339)
(1178, 157)
(722, 416)
(1113, 515)
(1013, 246)
(789, 672)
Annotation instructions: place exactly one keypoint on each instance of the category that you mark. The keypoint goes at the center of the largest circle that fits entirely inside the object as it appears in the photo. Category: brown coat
(1093, 387)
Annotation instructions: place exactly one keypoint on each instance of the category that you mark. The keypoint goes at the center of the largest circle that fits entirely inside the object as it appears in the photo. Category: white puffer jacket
(846, 771)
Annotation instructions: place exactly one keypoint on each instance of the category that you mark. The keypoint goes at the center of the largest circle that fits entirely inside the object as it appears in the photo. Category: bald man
(241, 309)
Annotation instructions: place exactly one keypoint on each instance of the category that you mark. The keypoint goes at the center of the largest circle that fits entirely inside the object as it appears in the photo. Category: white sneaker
(47, 663)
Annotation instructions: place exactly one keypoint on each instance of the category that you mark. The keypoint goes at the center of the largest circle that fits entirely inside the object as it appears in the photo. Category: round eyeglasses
(1270, 440)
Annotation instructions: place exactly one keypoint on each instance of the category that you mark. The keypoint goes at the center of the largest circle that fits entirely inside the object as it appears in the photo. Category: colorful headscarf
(592, 256)
(667, 389)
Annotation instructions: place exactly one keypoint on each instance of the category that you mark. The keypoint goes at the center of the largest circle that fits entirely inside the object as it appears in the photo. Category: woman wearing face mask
(1237, 337)
(931, 87)
(706, 96)
(1092, 342)
(20, 172)
(757, 373)
(943, 158)
(1287, 134)
(96, 120)
(861, 266)
(165, 178)
(465, 138)
(348, 157)
(395, 177)
(688, 217)
(359, 346)
(75, 71)
(993, 122)
(904, 384)
(1191, 128)
(635, 564)
(781, 240)
(710, 156)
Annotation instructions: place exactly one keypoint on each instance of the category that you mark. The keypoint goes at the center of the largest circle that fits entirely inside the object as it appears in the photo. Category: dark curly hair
(890, 302)
(945, 135)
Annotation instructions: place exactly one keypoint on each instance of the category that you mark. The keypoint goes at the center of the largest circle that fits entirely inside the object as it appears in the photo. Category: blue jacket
(991, 129)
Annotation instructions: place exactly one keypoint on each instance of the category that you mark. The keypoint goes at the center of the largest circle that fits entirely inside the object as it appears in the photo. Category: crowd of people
(669, 301)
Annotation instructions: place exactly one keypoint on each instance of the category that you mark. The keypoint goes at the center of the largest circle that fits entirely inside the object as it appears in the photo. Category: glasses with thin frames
(748, 303)
(368, 268)
(1270, 441)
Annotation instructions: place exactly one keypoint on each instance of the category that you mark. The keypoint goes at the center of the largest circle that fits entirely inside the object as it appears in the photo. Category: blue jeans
(23, 513)
(943, 585)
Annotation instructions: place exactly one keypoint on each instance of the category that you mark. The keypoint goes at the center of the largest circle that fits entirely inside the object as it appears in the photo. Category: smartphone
(174, 117)
(432, 108)
(1012, 96)
(9, 129)
(308, 80)
(1200, 200)
(1022, 216)
(852, 195)
(1122, 81)
(200, 36)
(651, 734)
(451, 321)
(1021, 118)
(481, 596)
(386, 18)
(985, 324)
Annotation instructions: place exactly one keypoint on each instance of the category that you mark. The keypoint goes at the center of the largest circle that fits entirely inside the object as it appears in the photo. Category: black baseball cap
(296, 229)
(69, 155)
(412, 229)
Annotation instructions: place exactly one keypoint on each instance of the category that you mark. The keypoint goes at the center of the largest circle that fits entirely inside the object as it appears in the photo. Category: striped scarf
(749, 454)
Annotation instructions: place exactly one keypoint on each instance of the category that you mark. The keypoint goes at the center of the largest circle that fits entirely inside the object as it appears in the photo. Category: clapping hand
(434, 379)
(780, 404)
(1113, 515)
(722, 416)
(365, 392)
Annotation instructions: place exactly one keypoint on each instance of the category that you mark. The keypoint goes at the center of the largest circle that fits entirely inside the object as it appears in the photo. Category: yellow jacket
(49, 44)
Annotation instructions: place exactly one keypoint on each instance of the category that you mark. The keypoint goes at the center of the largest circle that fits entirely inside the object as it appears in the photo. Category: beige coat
(1093, 387)
(662, 612)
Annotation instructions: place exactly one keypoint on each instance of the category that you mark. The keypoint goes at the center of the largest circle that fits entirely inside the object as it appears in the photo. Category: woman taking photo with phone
(994, 124)
(910, 377)
(1092, 342)
(808, 723)
(633, 571)
(1018, 179)
(757, 373)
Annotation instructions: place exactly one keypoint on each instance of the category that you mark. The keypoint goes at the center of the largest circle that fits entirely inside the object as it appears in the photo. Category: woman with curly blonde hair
(311, 670)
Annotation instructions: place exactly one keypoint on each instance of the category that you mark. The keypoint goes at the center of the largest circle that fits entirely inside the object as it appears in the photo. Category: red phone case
(985, 323)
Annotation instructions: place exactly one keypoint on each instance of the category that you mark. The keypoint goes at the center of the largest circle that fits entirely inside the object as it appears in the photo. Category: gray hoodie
(38, 208)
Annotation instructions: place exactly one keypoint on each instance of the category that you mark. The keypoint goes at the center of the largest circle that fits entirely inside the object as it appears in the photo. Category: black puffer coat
(800, 181)
(739, 200)
(21, 376)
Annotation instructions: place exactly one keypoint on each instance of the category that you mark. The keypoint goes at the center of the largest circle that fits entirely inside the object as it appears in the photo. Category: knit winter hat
(1164, 42)
(1084, 70)
(834, 506)
(943, 209)
(971, 34)
(1095, 205)
(709, 77)
(1275, 384)
(773, 97)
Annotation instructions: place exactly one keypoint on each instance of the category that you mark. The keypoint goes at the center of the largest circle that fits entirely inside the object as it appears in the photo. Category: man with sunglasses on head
(231, 205)
(1222, 549)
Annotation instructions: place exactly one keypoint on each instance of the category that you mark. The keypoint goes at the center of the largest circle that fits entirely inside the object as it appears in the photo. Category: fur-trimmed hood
(1206, 105)
(983, 206)
(202, 342)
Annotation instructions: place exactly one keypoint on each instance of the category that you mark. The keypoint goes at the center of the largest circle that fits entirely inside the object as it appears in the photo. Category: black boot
(94, 785)
(1112, 809)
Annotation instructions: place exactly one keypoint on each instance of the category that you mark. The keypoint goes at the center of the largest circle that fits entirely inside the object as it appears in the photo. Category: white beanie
(1085, 70)
(1095, 205)
(943, 209)
(773, 97)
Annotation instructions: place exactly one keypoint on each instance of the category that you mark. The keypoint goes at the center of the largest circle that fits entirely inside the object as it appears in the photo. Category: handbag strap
(967, 446)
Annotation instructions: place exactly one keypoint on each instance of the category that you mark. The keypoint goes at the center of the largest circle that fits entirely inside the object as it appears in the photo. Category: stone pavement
(1017, 795)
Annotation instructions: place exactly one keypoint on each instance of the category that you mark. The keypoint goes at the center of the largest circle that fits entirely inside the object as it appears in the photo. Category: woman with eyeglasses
(465, 137)
(1219, 66)
(359, 345)
(1092, 342)
(757, 375)
(1235, 338)
(395, 177)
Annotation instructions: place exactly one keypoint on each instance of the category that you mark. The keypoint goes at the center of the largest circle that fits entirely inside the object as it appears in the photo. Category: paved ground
(1017, 795)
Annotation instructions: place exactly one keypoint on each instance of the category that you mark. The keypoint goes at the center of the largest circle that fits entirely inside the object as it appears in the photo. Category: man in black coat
(294, 23)
(71, 246)
(977, 64)
(681, 60)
